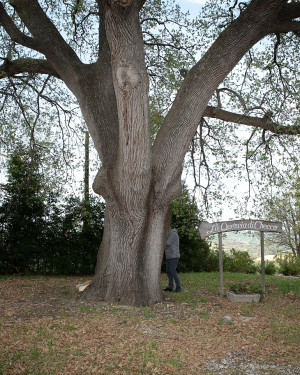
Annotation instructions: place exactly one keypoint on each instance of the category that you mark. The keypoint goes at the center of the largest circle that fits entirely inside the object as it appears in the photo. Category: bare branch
(15, 34)
(242, 101)
(277, 44)
(141, 3)
(259, 122)
(287, 26)
(26, 65)
(46, 36)
(248, 156)
(286, 19)
(154, 19)
(290, 11)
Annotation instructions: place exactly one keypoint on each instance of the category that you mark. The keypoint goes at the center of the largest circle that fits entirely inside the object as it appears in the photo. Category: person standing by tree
(172, 259)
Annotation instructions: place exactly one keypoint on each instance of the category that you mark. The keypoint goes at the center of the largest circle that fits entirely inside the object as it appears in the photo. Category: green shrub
(244, 287)
(239, 261)
(212, 262)
(270, 268)
(289, 265)
(236, 261)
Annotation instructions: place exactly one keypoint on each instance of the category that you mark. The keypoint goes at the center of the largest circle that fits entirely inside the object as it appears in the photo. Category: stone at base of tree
(81, 287)
(233, 297)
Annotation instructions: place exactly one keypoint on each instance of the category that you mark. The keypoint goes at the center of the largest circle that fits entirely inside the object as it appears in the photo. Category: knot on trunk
(124, 3)
(127, 78)
(101, 182)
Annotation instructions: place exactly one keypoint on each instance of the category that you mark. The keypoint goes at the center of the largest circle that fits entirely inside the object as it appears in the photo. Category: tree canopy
(261, 92)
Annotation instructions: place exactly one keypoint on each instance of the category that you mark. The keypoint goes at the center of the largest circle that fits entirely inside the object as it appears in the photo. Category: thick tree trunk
(130, 256)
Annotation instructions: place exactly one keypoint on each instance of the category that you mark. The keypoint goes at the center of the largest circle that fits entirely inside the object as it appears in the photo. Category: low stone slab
(233, 297)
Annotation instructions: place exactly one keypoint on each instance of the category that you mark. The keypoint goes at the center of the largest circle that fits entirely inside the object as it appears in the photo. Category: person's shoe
(177, 290)
(168, 289)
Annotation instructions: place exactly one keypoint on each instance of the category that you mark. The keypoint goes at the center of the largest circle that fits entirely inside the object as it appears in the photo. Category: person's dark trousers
(172, 273)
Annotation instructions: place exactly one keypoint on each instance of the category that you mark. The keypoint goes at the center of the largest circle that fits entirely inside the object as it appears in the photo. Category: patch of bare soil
(47, 329)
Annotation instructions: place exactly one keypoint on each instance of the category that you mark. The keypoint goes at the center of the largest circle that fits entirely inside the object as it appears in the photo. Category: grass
(49, 331)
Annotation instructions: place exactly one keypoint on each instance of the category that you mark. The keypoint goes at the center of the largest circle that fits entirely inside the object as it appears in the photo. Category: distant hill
(242, 241)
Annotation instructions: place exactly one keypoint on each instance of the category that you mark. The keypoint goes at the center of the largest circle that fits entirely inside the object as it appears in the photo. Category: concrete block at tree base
(233, 297)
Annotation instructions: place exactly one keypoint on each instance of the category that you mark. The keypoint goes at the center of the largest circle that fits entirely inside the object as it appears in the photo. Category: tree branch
(141, 3)
(258, 122)
(290, 11)
(15, 34)
(26, 65)
(286, 19)
(287, 26)
(48, 39)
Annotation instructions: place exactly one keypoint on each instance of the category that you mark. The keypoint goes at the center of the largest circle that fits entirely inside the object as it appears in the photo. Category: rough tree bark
(138, 180)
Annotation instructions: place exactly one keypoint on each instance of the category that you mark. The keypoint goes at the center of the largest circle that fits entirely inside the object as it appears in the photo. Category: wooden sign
(207, 229)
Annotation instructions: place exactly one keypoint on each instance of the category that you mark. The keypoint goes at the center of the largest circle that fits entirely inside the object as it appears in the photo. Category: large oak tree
(138, 179)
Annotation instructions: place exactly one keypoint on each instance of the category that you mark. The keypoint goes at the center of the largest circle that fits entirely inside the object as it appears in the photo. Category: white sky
(193, 6)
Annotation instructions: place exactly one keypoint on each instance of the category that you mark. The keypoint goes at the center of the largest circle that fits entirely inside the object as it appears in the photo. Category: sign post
(207, 229)
(262, 257)
(221, 266)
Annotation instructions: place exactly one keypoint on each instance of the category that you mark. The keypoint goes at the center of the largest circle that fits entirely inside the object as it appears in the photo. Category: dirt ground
(47, 329)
